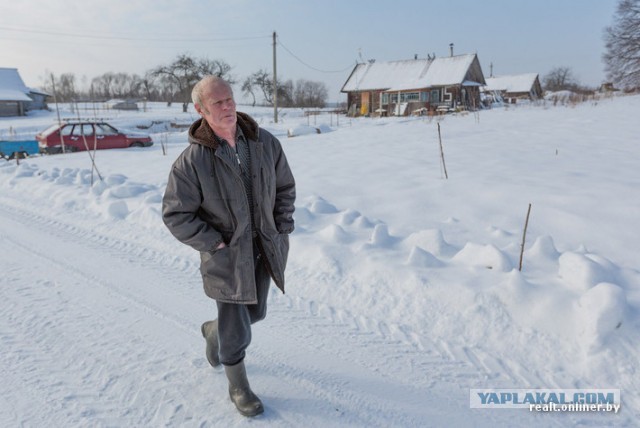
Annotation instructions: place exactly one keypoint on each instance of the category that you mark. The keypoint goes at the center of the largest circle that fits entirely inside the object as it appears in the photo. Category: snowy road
(100, 331)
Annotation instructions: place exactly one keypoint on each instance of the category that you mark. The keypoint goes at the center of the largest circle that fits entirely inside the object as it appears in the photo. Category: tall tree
(185, 71)
(622, 42)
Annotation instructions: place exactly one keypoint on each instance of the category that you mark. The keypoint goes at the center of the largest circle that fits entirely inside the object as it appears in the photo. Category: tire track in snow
(360, 325)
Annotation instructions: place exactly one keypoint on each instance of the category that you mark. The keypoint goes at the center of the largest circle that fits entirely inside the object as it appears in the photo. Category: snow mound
(543, 248)
(380, 236)
(486, 256)
(580, 272)
(302, 130)
(601, 311)
(421, 258)
(431, 240)
(320, 206)
(335, 233)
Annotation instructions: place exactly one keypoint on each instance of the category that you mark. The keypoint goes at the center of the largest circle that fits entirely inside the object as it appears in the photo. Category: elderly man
(230, 196)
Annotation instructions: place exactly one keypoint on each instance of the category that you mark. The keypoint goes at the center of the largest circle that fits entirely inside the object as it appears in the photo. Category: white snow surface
(403, 286)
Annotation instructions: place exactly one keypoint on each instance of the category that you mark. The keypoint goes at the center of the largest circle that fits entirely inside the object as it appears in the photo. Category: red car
(83, 135)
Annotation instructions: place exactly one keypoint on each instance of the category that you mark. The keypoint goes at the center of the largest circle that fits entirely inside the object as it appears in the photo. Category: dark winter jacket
(205, 204)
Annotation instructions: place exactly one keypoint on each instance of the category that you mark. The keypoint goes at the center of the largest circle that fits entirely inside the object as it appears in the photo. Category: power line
(148, 39)
(311, 67)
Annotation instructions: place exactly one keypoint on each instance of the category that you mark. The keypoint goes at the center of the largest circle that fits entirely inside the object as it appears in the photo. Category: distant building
(15, 97)
(515, 87)
(414, 86)
(607, 88)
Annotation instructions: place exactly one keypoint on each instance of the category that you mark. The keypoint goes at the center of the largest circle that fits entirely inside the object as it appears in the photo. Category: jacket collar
(201, 133)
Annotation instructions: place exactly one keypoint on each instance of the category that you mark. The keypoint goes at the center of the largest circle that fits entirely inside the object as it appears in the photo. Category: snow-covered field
(403, 286)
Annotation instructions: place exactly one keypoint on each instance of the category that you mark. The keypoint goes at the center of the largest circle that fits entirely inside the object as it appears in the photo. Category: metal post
(275, 82)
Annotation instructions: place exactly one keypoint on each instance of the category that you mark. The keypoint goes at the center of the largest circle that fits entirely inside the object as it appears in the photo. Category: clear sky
(318, 40)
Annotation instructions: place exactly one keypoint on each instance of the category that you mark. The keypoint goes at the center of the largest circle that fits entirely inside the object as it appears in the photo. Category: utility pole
(55, 100)
(275, 82)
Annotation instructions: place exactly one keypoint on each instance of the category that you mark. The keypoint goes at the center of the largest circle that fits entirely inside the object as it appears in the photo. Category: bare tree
(304, 93)
(262, 79)
(310, 94)
(65, 85)
(622, 41)
(185, 71)
(149, 87)
(247, 89)
(560, 78)
(285, 93)
(102, 85)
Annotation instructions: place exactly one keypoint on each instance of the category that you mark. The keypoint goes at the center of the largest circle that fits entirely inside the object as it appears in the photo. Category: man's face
(218, 108)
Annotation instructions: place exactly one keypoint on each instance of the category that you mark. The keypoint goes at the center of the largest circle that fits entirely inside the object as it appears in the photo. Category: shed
(514, 87)
(39, 99)
(402, 87)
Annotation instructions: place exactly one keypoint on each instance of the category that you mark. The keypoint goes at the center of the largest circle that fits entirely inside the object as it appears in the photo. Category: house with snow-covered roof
(15, 97)
(414, 86)
(514, 87)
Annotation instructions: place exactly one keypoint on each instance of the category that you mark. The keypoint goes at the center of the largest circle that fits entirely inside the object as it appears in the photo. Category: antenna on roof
(451, 49)
(360, 55)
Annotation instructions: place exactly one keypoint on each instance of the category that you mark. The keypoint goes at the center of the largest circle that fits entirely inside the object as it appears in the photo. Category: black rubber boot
(247, 403)
(210, 333)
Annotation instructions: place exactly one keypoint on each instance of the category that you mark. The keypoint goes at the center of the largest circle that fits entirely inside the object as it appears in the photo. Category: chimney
(415, 56)
(451, 49)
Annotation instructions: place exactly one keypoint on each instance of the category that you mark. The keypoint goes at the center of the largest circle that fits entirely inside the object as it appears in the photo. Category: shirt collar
(239, 135)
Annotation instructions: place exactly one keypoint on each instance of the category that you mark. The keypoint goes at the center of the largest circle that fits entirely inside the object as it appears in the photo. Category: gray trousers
(234, 320)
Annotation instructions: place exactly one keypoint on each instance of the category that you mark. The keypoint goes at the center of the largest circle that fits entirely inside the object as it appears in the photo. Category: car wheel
(137, 144)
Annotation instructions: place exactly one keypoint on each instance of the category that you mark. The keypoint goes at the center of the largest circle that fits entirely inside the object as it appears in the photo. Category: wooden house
(15, 97)
(515, 87)
(414, 86)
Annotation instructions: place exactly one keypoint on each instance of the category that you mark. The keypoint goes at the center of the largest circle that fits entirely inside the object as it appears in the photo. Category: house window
(424, 97)
(435, 96)
(404, 97)
(409, 96)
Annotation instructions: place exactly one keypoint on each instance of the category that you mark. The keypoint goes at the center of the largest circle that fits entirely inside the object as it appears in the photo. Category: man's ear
(198, 109)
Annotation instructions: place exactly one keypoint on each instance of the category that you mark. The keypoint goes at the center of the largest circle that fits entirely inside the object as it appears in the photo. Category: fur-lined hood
(201, 133)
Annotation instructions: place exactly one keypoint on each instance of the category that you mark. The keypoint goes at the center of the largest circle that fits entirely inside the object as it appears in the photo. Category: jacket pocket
(216, 268)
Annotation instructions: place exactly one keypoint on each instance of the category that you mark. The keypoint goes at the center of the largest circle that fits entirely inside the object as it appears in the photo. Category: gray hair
(196, 93)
